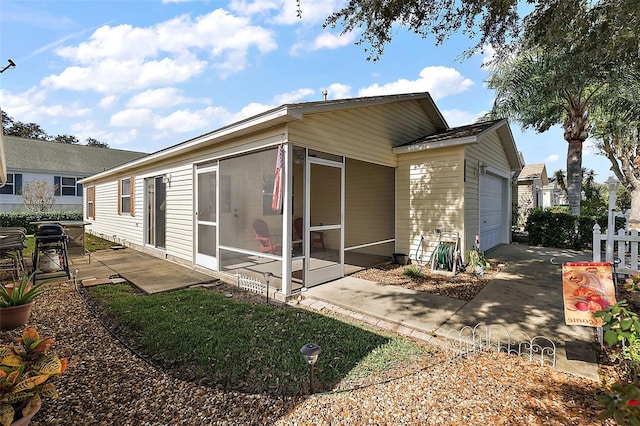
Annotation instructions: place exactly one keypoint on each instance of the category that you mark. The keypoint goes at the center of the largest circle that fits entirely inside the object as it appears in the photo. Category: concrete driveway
(526, 296)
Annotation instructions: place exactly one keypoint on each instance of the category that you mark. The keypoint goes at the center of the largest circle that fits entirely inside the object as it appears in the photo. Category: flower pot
(10, 286)
(14, 316)
(24, 421)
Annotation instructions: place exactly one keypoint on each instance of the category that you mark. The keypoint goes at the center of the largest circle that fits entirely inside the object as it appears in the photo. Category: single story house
(60, 165)
(530, 182)
(309, 192)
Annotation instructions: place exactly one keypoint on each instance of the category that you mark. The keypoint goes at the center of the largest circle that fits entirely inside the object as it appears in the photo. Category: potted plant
(26, 374)
(16, 301)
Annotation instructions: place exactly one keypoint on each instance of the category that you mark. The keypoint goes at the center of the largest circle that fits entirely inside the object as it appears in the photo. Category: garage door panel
(491, 210)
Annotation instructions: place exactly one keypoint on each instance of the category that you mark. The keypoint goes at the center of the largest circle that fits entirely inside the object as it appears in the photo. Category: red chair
(317, 238)
(261, 229)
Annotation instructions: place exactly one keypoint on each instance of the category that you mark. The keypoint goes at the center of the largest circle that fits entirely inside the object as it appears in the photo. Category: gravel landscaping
(106, 384)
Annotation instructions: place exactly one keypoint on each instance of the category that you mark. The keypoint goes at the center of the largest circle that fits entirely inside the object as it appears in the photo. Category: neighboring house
(553, 195)
(368, 176)
(531, 179)
(59, 164)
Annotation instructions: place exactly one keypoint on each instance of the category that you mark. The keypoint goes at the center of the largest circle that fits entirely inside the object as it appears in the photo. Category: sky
(147, 74)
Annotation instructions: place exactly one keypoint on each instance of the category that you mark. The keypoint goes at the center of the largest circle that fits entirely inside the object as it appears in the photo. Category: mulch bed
(461, 286)
(106, 384)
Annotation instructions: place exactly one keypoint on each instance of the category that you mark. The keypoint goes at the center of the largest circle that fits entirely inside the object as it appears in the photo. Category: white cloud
(254, 108)
(133, 117)
(456, 117)
(158, 98)
(324, 40)
(182, 121)
(124, 58)
(338, 91)
(488, 55)
(439, 81)
(29, 106)
(293, 97)
(551, 158)
(108, 101)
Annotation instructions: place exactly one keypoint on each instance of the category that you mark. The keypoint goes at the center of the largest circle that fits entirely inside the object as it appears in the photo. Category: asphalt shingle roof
(33, 154)
(469, 130)
(531, 171)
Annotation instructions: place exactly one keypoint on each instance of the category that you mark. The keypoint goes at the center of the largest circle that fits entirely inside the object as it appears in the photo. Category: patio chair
(317, 237)
(261, 230)
(12, 242)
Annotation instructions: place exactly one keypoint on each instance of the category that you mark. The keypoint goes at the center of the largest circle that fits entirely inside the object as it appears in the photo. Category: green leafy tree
(96, 143)
(559, 178)
(540, 88)
(27, 130)
(66, 139)
(6, 122)
(492, 22)
(608, 25)
(617, 130)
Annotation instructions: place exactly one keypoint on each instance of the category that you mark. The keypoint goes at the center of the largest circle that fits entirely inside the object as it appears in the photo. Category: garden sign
(587, 287)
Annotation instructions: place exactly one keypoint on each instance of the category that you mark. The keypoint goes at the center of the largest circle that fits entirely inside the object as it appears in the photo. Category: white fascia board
(425, 146)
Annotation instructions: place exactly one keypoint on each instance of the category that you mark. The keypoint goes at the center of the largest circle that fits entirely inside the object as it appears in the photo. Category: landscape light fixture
(267, 278)
(11, 65)
(74, 275)
(310, 352)
(612, 183)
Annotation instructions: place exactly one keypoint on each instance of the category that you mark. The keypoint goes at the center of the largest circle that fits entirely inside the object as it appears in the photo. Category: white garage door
(492, 213)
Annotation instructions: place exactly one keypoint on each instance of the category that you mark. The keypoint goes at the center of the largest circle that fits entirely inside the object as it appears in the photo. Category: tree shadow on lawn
(205, 337)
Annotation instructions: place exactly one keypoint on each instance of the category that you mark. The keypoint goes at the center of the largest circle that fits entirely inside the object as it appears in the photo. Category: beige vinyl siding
(179, 213)
(369, 208)
(429, 195)
(471, 206)
(113, 226)
(366, 134)
(489, 151)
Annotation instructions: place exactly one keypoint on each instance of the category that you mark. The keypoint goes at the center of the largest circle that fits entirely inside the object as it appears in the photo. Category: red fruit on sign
(582, 306)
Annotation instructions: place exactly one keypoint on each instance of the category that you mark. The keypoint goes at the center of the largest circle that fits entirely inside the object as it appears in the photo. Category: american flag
(276, 201)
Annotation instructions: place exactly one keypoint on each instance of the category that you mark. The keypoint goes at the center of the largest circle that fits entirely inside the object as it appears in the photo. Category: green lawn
(91, 242)
(202, 334)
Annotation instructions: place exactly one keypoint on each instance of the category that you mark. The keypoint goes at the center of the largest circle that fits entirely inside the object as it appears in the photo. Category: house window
(67, 186)
(91, 202)
(13, 186)
(125, 196)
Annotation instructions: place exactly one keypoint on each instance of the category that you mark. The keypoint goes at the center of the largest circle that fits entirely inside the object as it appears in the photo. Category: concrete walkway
(150, 274)
(526, 296)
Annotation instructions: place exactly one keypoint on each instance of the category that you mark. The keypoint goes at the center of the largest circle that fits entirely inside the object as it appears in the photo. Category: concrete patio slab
(524, 298)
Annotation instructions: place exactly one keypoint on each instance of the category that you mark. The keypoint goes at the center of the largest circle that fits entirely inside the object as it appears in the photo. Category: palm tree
(540, 88)
(619, 141)
(558, 176)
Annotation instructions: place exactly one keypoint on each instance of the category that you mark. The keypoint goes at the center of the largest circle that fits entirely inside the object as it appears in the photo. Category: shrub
(412, 272)
(558, 228)
(24, 219)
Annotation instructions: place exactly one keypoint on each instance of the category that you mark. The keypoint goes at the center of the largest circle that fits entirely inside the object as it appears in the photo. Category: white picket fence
(623, 245)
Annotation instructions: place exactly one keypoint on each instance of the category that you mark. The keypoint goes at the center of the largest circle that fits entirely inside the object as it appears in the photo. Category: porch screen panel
(207, 197)
(369, 205)
(207, 240)
(249, 181)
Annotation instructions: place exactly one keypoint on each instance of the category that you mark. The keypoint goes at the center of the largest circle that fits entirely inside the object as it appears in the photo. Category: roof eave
(435, 145)
(281, 115)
